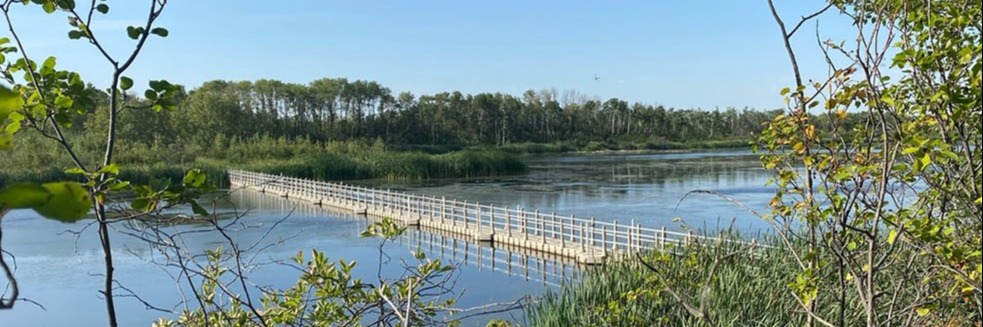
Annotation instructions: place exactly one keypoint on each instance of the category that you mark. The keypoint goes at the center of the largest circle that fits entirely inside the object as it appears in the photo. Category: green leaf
(23, 196)
(150, 95)
(64, 102)
(134, 32)
(66, 4)
(159, 85)
(198, 209)
(48, 65)
(125, 83)
(194, 179)
(160, 31)
(103, 8)
(75, 171)
(6, 142)
(118, 185)
(69, 202)
(75, 35)
(785, 91)
(63, 119)
(111, 169)
(10, 101)
(143, 205)
(49, 7)
(15, 123)
(924, 161)
(979, 201)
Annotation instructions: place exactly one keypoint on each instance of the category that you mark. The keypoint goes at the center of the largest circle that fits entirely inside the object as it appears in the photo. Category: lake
(59, 269)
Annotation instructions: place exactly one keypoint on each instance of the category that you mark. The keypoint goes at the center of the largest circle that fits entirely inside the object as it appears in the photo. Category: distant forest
(233, 123)
(339, 110)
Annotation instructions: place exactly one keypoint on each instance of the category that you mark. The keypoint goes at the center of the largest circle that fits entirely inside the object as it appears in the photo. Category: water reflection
(532, 266)
(647, 188)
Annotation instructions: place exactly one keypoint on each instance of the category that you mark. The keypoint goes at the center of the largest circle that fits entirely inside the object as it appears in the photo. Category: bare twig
(7, 303)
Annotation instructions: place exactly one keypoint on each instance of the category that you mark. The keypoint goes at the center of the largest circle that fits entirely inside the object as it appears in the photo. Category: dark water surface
(61, 271)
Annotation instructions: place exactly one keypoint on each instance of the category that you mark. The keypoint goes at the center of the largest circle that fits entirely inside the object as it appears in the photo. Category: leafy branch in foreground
(327, 293)
(892, 229)
(47, 101)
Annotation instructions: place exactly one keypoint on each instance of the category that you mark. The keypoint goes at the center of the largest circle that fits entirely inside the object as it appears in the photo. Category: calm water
(60, 271)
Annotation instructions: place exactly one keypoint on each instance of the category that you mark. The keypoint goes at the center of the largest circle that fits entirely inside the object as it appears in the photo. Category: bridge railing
(588, 234)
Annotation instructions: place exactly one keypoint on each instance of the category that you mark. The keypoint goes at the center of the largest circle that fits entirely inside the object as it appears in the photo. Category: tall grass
(157, 175)
(729, 285)
(296, 158)
(732, 286)
(388, 165)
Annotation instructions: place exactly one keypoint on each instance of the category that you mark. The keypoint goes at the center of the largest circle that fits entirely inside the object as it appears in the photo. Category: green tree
(891, 209)
(49, 102)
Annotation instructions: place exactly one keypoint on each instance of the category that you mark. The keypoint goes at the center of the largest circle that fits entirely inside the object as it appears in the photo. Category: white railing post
(525, 224)
(563, 236)
(604, 237)
(631, 240)
(553, 225)
(508, 222)
(583, 243)
(614, 231)
(593, 232)
(465, 215)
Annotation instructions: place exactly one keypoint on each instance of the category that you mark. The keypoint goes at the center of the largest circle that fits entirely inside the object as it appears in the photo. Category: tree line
(339, 109)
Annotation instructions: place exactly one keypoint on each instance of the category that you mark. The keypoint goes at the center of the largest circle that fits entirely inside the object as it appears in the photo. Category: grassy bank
(385, 165)
(320, 166)
(725, 284)
(156, 175)
(743, 289)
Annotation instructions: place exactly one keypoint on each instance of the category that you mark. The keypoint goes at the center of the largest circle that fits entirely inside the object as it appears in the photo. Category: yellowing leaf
(892, 237)
(799, 148)
(810, 131)
(923, 311)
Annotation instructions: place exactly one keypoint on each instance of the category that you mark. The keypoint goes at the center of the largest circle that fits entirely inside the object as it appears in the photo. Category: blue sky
(683, 54)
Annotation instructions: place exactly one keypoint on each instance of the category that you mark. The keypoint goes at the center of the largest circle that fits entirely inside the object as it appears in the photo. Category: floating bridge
(586, 241)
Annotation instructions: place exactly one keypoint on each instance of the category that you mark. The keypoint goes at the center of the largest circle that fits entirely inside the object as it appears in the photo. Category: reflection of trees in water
(612, 179)
(643, 187)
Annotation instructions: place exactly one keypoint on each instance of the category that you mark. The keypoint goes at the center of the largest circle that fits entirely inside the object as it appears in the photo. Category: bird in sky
(596, 78)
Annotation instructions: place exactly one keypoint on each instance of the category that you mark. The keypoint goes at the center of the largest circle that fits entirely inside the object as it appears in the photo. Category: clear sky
(683, 54)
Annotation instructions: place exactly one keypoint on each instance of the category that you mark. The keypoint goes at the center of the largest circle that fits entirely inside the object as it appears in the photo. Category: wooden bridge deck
(587, 241)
